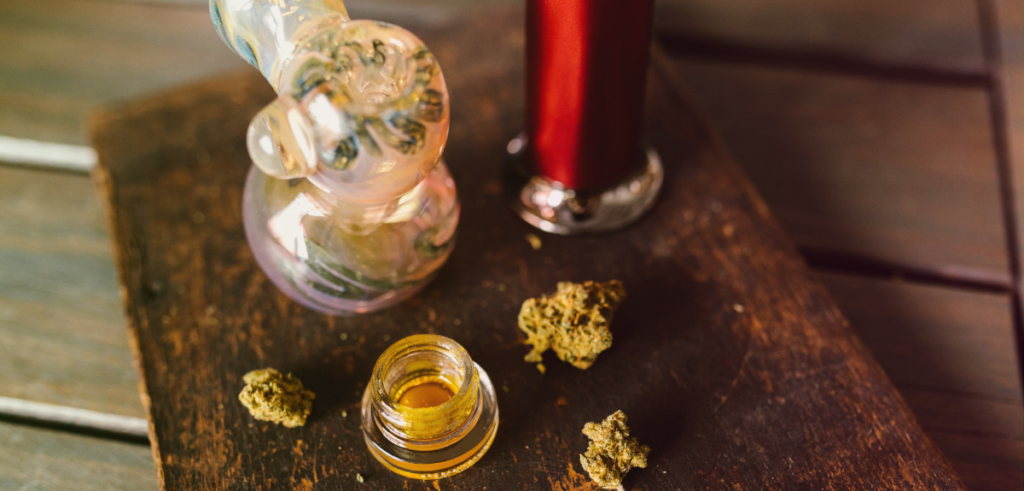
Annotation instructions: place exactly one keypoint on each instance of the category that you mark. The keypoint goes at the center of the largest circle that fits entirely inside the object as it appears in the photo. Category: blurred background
(884, 135)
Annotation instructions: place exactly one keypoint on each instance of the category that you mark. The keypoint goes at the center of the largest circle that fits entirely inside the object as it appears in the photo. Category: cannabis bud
(573, 322)
(270, 396)
(612, 452)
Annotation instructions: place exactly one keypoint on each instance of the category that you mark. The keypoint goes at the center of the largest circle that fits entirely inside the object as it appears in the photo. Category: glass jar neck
(412, 362)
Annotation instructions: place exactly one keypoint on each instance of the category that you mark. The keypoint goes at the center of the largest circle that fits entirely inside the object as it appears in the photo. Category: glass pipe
(349, 207)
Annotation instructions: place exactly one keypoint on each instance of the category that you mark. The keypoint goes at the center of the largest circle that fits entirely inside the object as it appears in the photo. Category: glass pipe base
(553, 208)
(340, 257)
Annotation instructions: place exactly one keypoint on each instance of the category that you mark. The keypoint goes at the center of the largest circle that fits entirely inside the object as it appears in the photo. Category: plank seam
(960, 277)
(815, 60)
(71, 417)
(959, 393)
(977, 433)
(991, 45)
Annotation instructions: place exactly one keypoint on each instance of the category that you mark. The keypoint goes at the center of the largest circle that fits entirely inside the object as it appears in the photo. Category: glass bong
(349, 207)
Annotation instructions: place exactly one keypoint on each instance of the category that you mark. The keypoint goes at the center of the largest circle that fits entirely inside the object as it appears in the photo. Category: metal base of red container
(554, 208)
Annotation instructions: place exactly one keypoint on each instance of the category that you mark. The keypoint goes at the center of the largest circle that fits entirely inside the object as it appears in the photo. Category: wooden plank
(934, 338)
(1011, 32)
(985, 462)
(36, 459)
(900, 172)
(1011, 29)
(942, 34)
(950, 412)
(62, 338)
(782, 394)
(934, 34)
(370, 5)
(62, 58)
(951, 354)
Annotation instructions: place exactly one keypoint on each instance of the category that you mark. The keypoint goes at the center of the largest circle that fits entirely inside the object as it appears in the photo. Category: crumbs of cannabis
(612, 452)
(271, 396)
(573, 321)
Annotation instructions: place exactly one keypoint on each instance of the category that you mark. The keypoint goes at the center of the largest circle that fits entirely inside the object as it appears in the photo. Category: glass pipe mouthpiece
(429, 411)
(367, 210)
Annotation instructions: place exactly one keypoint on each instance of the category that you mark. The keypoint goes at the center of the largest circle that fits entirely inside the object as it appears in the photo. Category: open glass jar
(429, 411)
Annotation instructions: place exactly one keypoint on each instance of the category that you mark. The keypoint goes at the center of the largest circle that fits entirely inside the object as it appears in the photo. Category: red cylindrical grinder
(586, 70)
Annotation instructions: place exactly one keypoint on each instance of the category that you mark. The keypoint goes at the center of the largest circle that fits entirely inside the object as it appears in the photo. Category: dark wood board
(781, 395)
(900, 172)
(37, 459)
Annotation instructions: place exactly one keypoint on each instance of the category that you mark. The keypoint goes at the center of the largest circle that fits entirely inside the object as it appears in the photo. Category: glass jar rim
(412, 344)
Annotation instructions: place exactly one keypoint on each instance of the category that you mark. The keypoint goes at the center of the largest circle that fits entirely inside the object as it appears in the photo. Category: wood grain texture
(1011, 31)
(901, 172)
(935, 34)
(951, 355)
(782, 395)
(989, 463)
(62, 58)
(35, 459)
(62, 338)
(967, 336)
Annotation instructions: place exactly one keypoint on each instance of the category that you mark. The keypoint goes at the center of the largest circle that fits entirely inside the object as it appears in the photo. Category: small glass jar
(429, 411)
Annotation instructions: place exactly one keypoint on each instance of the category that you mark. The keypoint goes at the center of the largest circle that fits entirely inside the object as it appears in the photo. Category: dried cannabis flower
(573, 322)
(612, 452)
(270, 396)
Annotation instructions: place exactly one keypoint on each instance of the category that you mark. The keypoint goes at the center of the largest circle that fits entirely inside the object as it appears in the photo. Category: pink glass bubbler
(349, 207)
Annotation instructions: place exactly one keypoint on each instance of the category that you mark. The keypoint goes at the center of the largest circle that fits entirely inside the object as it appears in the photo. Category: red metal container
(586, 71)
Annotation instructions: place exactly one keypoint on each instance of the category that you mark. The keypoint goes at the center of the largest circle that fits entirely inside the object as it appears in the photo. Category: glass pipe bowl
(435, 441)
(340, 257)
(362, 110)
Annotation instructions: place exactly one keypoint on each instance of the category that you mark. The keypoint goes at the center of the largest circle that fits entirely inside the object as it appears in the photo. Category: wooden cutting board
(731, 362)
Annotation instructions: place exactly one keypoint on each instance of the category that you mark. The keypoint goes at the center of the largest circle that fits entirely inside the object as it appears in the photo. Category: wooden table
(732, 360)
(945, 340)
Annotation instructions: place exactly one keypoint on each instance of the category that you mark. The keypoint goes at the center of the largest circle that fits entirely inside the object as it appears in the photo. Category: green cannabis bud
(270, 396)
(612, 452)
(573, 322)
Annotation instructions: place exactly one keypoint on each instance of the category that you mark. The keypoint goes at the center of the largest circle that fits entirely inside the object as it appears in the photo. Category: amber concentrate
(429, 394)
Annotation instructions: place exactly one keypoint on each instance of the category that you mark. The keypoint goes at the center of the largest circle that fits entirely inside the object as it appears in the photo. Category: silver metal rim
(554, 208)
